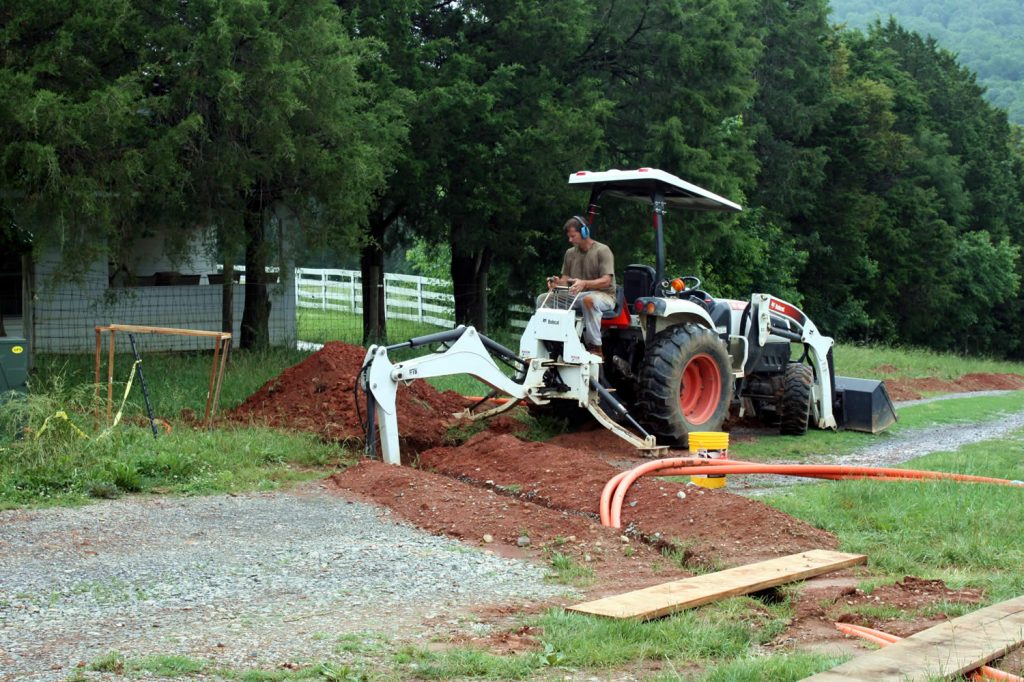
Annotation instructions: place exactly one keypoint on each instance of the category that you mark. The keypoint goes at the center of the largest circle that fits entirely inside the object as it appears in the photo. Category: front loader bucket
(863, 405)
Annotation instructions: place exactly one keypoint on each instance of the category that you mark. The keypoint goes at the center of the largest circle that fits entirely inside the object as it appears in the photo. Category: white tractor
(675, 359)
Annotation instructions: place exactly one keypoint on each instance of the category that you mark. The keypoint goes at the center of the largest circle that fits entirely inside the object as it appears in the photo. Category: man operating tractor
(588, 270)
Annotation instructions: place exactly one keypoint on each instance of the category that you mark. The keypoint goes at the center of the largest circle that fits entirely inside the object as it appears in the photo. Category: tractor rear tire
(684, 384)
(795, 408)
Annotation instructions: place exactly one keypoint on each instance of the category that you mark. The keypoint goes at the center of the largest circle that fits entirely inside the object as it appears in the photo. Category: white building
(149, 289)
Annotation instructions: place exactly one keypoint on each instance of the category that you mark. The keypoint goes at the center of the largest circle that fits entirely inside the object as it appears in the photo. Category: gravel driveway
(255, 580)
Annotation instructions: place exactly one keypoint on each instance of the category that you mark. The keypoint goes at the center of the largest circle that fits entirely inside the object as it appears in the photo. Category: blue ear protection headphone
(584, 228)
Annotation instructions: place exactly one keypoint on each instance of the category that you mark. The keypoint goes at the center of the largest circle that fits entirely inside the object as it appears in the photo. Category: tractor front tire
(684, 384)
(795, 408)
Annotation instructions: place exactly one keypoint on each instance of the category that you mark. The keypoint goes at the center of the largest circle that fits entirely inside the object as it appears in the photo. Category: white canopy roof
(639, 185)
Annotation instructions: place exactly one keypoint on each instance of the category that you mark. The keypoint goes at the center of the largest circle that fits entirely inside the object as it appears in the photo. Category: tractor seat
(637, 281)
(721, 314)
(620, 301)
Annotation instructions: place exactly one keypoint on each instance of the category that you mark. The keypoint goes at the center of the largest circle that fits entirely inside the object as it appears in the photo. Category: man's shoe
(596, 350)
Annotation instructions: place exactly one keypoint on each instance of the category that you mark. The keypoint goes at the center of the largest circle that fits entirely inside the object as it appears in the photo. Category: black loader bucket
(863, 405)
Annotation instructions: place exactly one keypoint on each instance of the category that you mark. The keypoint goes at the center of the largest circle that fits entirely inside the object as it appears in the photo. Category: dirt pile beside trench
(915, 388)
(715, 526)
(316, 395)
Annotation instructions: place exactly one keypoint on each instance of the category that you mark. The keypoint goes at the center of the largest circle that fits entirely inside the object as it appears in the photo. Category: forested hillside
(882, 192)
(987, 36)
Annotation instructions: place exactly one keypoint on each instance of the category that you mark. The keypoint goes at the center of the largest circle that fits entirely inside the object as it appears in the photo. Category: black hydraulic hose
(142, 382)
(500, 350)
(787, 334)
(371, 437)
(439, 337)
(483, 400)
(616, 406)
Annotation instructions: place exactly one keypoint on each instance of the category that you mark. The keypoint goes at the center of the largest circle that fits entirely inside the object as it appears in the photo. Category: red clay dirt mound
(713, 525)
(913, 389)
(317, 395)
(468, 512)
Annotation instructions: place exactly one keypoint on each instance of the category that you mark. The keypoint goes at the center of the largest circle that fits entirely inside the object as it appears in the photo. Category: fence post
(323, 290)
(419, 299)
(298, 278)
(352, 291)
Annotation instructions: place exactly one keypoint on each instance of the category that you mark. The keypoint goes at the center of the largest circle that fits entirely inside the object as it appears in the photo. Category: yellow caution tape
(124, 399)
(61, 414)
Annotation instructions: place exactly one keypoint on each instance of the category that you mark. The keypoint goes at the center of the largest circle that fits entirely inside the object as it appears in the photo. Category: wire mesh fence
(308, 307)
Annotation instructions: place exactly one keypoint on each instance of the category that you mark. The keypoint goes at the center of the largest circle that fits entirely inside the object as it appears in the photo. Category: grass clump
(568, 571)
(467, 662)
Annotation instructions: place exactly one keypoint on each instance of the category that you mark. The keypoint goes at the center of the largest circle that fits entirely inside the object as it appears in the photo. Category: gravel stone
(253, 581)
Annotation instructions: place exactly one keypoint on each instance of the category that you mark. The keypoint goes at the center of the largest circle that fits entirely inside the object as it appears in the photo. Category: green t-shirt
(595, 262)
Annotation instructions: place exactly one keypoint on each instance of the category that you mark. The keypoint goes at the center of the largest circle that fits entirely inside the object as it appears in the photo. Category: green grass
(723, 631)
(776, 668)
(965, 534)
(567, 571)
(320, 326)
(176, 381)
(64, 469)
(185, 667)
(869, 361)
(773, 447)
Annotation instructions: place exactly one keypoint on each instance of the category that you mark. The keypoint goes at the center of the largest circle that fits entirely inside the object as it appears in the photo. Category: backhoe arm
(380, 378)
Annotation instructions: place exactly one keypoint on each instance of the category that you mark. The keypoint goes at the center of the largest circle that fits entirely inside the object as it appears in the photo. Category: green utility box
(13, 363)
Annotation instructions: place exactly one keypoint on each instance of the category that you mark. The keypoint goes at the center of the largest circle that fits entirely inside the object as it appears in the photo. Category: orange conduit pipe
(884, 639)
(615, 490)
(671, 462)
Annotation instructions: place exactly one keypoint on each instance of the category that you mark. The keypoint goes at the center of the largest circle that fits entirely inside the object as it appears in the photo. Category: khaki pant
(592, 304)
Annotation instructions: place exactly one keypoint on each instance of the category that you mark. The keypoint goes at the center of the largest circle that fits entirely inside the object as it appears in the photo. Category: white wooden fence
(406, 297)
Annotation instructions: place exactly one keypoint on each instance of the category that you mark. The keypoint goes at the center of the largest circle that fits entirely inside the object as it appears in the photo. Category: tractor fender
(671, 312)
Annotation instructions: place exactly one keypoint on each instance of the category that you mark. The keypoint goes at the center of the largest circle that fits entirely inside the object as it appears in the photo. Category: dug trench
(539, 500)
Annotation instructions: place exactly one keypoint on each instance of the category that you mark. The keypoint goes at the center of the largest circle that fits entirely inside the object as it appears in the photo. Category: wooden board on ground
(660, 600)
(946, 650)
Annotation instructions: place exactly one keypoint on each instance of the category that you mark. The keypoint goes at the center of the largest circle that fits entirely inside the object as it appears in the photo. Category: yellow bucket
(712, 445)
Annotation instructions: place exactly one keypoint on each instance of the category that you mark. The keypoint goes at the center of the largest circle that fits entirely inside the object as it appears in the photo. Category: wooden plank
(660, 600)
(946, 650)
(146, 329)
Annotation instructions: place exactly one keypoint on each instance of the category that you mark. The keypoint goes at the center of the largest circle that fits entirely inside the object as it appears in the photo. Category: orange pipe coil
(615, 490)
(884, 639)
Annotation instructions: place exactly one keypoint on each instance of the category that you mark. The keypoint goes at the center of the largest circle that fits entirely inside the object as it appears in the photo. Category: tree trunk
(470, 268)
(371, 265)
(256, 313)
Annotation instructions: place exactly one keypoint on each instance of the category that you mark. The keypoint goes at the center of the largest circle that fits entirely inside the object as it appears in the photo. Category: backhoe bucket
(863, 405)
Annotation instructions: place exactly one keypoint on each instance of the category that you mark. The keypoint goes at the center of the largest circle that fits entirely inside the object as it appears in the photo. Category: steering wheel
(690, 282)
